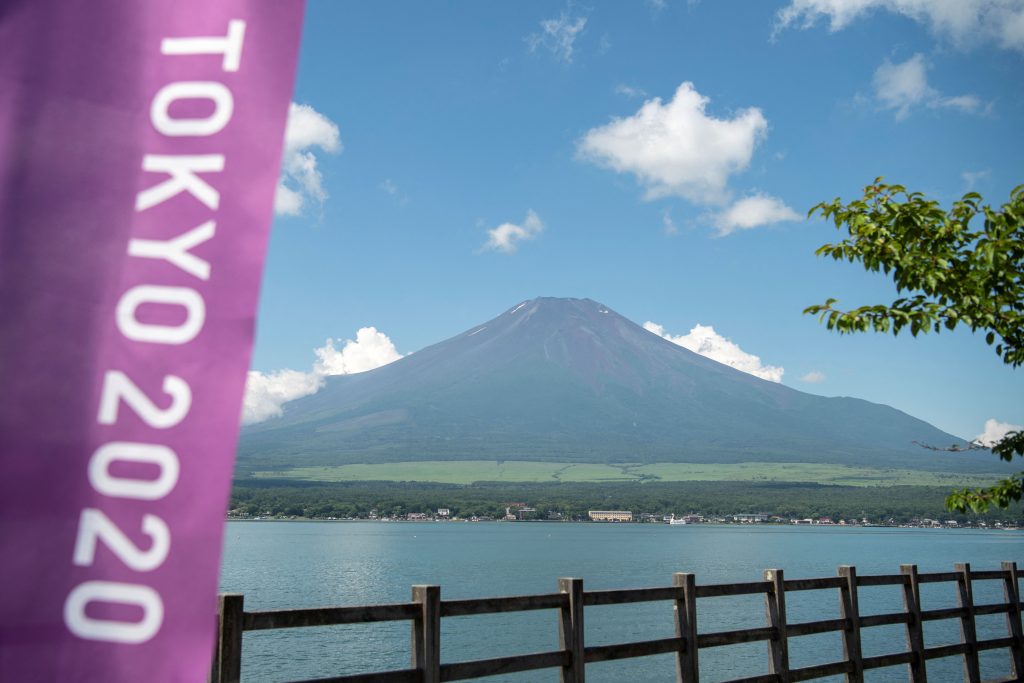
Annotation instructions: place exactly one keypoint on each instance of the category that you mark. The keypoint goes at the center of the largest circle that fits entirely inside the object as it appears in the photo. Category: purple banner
(139, 150)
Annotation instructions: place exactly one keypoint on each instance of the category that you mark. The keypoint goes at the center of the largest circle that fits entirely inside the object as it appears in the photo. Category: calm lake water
(314, 564)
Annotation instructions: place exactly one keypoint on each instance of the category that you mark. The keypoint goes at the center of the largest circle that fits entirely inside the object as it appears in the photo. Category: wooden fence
(426, 610)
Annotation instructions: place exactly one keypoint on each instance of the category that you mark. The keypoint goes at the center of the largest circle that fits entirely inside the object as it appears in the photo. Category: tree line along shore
(894, 505)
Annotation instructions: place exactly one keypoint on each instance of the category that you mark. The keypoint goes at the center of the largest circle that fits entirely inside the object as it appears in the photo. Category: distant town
(521, 512)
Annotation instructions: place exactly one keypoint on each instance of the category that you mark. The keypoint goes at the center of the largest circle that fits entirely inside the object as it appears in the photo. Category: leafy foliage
(950, 274)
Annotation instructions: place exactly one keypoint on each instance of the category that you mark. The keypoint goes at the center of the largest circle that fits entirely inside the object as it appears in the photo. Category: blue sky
(450, 160)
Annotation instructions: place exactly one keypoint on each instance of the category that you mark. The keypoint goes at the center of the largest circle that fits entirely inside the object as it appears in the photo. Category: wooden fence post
(227, 651)
(426, 633)
(849, 609)
(687, 669)
(570, 631)
(915, 627)
(775, 608)
(1011, 593)
(965, 599)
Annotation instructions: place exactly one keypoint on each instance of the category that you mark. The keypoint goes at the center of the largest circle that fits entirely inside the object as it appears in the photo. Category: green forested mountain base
(264, 497)
(471, 471)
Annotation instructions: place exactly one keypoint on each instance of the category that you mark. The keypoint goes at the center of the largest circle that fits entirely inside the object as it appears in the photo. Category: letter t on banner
(140, 144)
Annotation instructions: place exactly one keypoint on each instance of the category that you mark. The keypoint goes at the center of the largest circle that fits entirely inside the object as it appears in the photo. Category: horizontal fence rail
(426, 610)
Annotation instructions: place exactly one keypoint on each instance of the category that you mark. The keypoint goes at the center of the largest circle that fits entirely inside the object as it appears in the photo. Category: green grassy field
(470, 471)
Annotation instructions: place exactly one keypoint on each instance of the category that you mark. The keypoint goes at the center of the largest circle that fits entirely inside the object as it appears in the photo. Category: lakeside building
(750, 519)
(610, 515)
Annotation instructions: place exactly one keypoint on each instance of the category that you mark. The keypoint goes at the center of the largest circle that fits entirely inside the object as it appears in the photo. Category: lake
(315, 564)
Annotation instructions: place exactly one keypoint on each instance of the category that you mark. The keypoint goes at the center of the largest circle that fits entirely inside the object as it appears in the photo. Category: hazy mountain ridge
(571, 380)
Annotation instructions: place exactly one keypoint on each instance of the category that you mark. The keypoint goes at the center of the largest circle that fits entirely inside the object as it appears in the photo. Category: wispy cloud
(629, 91)
(753, 212)
(966, 23)
(301, 179)
(903, 86)
(676, 148)
(389, 187)
(668, 226)
(558, 36)
(507, 236)
(813, 377)
(266, 393)
(972, 178)
(704, 340)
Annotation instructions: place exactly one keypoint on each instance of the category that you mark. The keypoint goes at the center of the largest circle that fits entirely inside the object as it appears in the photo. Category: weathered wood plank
(512, 603)
(396, 676)
(968, 632)
(937, 577)
(995, 643)
(849, 610)
(997, 608)
(882, 580)
(884, 619)
(745, 635)
(227, 655)
(988, 575)
(685, 610)
(329, 616)
(458, 671)
(813, 584)
(892, 659)
(940, 651)
(763, 678)
(820, 671)
(570, 631)
(775, 610)
(717, 590)
(1011, 593)
(944, 613)
(915, 630)
(426, 640)
(629, 595)
(808, 628)
(643, 648)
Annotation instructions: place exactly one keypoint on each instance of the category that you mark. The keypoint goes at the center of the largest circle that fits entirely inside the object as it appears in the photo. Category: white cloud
(972, 178)
(667, 224)
(995, 431)
(266, 393)
(752, 212)
(507, 236)
(676, 148)
(965, 22)
(708, 343)
(300, 177)
(391, 189)
(370, 349)
(287, 202)
(969, 104)
(813, 377)
(629, 91)
(558, 36)
(904, 85)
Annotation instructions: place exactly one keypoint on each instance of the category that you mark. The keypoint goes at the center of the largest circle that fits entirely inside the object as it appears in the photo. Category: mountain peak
(568, 379)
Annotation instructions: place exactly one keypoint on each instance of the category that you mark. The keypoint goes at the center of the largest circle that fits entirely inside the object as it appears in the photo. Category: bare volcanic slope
(569, 380)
